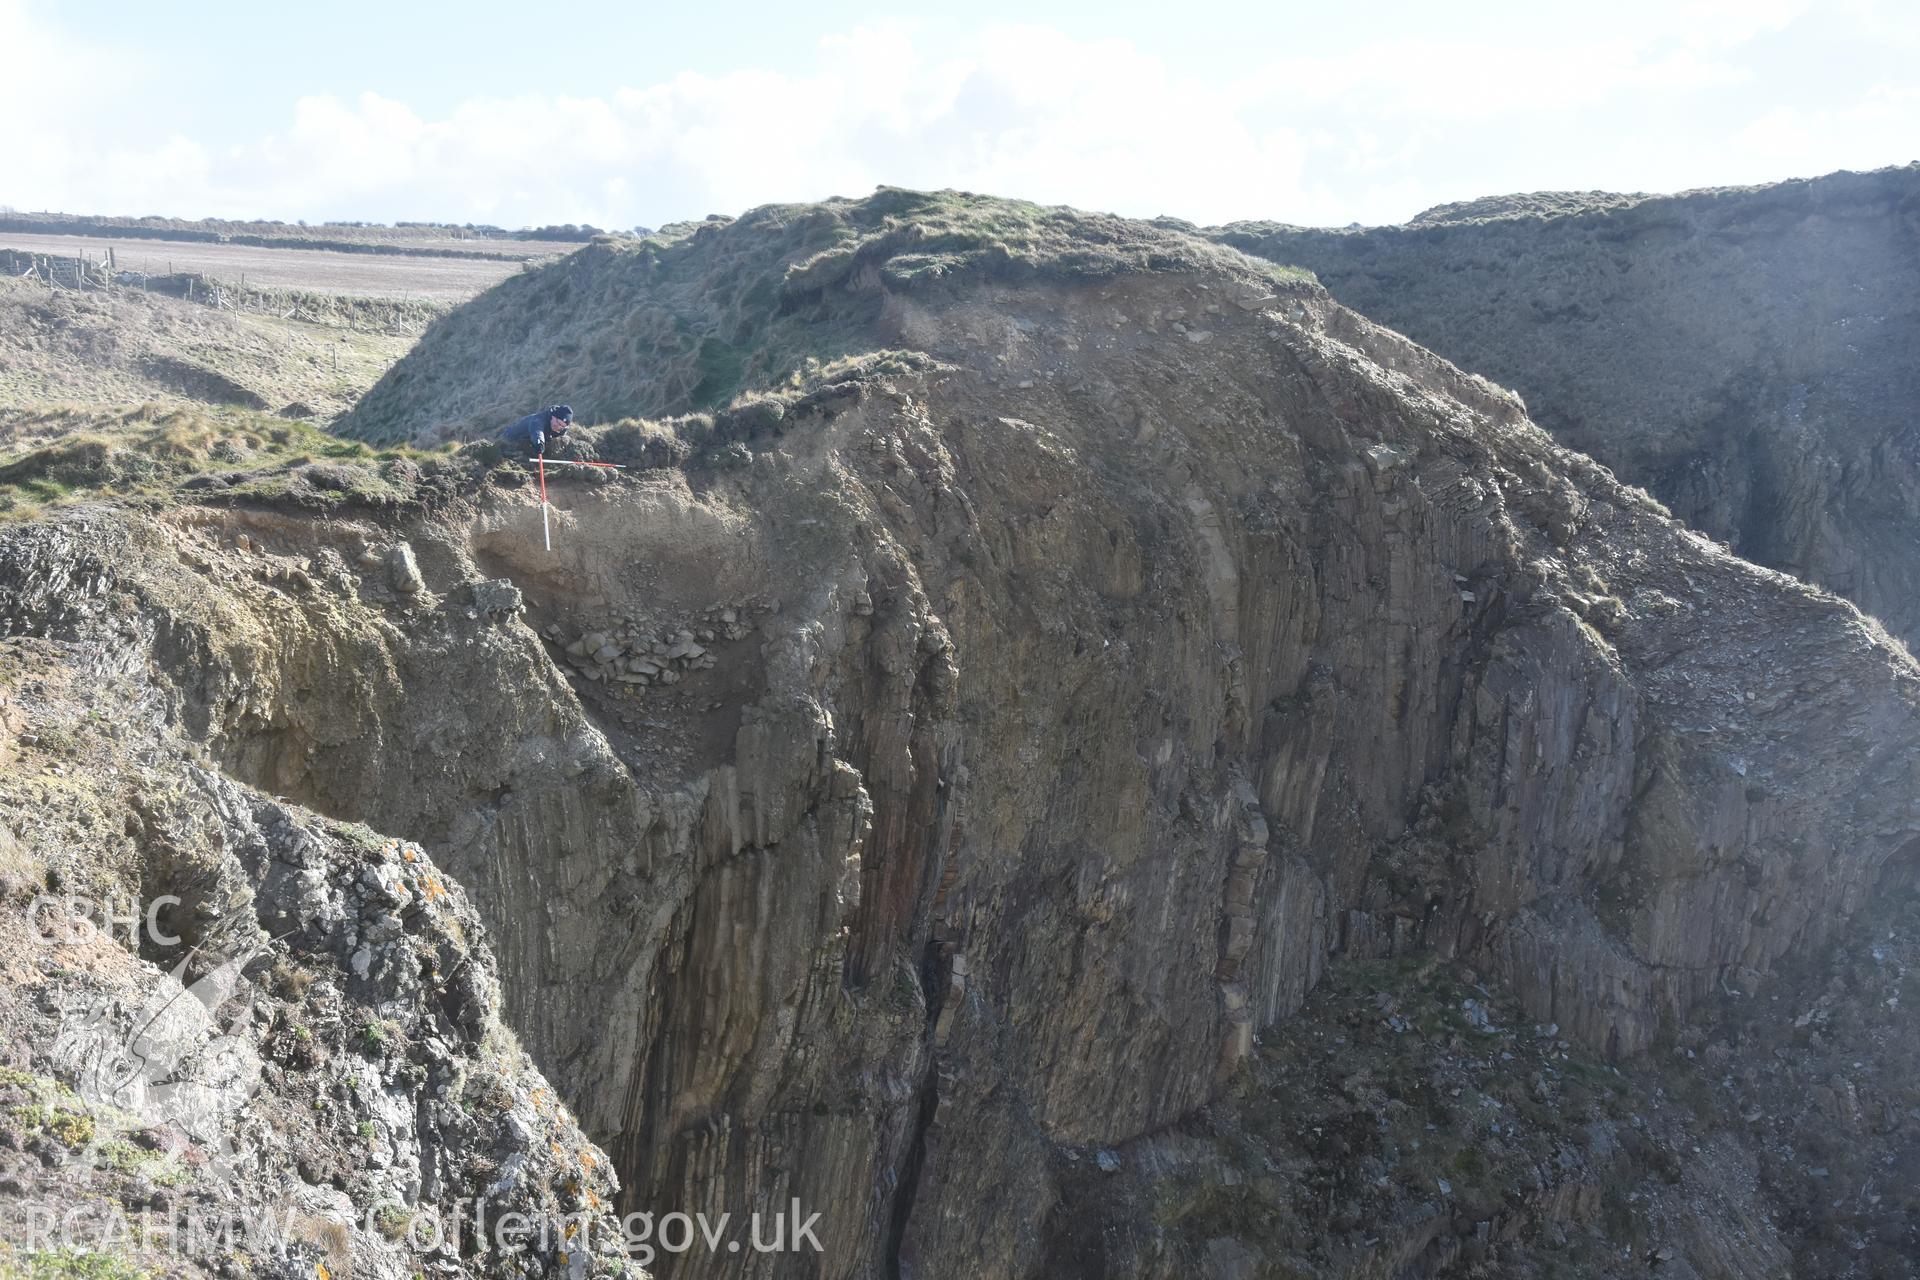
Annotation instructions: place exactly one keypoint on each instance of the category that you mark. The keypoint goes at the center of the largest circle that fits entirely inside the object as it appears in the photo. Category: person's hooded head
(560, 418)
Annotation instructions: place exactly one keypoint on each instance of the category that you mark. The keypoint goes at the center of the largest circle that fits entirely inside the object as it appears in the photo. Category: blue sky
(636, 115)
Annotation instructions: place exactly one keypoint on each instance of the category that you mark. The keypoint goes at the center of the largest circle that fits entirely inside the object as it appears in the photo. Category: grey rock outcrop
(1107, 690)
(245, 1035)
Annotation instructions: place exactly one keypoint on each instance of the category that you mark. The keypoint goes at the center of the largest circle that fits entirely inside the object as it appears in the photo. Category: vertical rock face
(1747, 355)
(1104, 687)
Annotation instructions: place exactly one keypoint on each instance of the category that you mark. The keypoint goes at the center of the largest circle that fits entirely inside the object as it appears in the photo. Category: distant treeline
(336, 237)
(579, 232)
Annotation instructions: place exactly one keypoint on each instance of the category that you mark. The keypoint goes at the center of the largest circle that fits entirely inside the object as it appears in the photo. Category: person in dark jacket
(528, 438)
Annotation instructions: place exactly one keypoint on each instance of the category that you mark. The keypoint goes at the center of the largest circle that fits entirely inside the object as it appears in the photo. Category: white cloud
(1022, 110)
(1721, 23)
(1686, 70)
(1881, 127)
(38, 83)
(1370, 132)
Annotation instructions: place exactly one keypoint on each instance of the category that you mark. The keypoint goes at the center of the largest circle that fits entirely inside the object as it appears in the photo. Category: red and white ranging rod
(546, 526)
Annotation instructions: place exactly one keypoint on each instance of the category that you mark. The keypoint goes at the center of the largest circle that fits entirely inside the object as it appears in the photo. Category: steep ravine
(1081, 698)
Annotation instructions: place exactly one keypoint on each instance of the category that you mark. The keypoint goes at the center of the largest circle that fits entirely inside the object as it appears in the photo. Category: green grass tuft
(65, 454)
(68, 1263)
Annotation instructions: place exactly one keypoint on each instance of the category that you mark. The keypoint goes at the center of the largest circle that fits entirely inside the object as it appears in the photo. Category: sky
(641, 114)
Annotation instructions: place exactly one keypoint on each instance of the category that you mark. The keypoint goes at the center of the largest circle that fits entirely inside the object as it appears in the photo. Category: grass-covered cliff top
(914, 238)
(156, 455)
(1842, 188)
(153, 453)
(691, 317)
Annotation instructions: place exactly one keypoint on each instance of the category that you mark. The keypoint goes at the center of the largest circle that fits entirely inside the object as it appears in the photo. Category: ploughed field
(371, 275)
